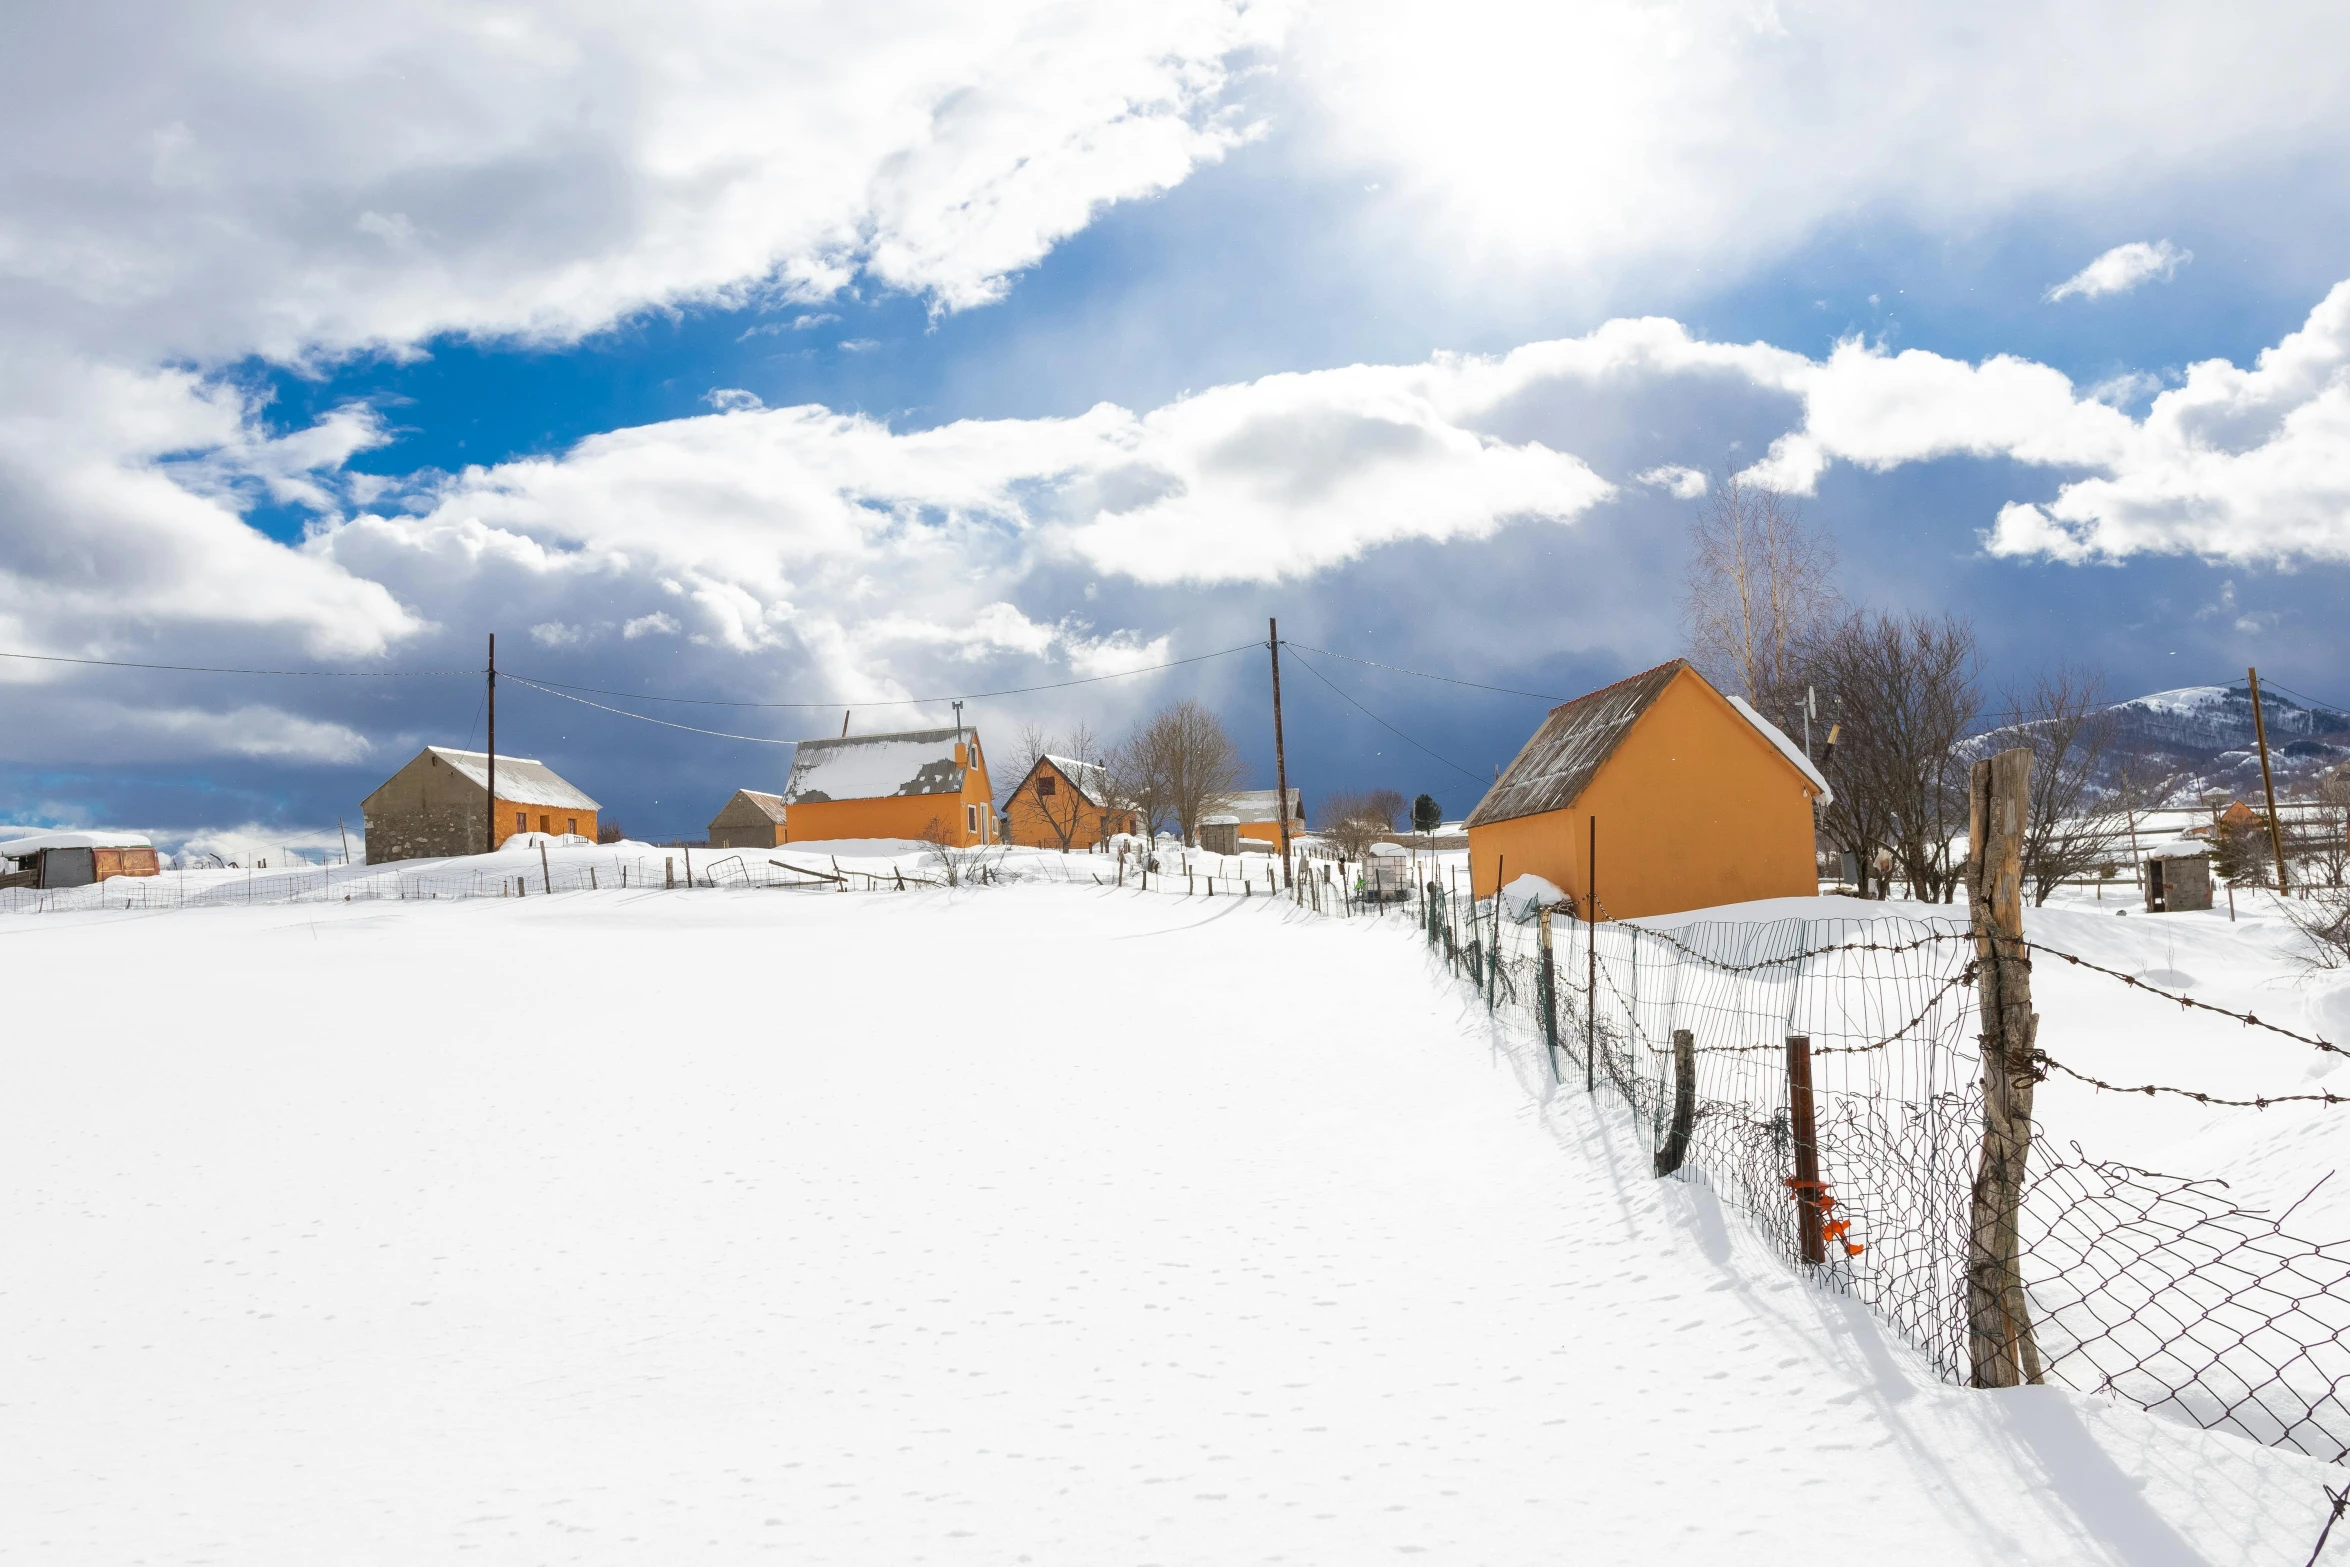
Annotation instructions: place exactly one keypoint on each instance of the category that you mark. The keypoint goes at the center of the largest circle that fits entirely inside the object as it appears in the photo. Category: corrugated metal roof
(1257, 805)
(1090, 779)
(876, 767)
(1555, 766)
(768, 805)
(521, 779)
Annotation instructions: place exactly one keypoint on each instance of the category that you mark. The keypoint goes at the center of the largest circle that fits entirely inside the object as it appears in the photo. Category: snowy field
(1023, 1224)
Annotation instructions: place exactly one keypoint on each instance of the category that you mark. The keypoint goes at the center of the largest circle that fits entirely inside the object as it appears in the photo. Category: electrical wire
(206, 669)
(1383, 723)
(647, 718)
(907, 701)
(1423, 674)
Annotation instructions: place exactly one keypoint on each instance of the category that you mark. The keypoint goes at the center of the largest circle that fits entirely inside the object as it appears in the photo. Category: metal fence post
(1805, 1183)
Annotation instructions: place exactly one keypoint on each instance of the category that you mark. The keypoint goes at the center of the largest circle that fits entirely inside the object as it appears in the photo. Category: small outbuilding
(750, 820)
(2178, 876)
(919, 783)
(1698, 800)
(439, 805)
(1220, 834)
(1258, 814)
(75, 859)
(1065, 804)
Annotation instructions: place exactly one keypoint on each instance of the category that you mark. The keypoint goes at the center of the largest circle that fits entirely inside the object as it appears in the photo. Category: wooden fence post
(1676, 1148)
(2000, 1346)
(669, 872)
(1804, 1128)
(1550, 1008)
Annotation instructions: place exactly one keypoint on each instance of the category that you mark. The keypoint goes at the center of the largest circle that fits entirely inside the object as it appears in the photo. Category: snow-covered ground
(1027, 1223)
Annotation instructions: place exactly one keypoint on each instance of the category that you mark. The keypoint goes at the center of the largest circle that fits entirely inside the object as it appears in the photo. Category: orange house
(923, 783)
(1065, 804)
(1698, 801)
(1260, 816)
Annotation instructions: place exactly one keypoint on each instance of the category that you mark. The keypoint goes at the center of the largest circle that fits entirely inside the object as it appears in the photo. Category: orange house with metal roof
(1065, 804)
(1697, 800)
(921, 783)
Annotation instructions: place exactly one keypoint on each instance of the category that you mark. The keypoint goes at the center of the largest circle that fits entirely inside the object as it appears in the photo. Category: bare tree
(2062, 718)
(1354, 820)
(1178, 766)
(1761, 591)
(1055, 796)
(1905, 695)
(1033, 745)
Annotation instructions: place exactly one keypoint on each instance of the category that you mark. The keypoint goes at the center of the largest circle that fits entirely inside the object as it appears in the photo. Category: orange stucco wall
(1027, 816)
(1270, 832)
(541, 818)
(1695, 809)
(901, 815)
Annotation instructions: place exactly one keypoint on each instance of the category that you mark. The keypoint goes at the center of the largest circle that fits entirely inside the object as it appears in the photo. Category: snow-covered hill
(2201, 737)
(1048, 1224)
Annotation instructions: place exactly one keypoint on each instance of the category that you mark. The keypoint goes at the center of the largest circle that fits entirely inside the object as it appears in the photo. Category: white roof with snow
(1787, 748)
(1257, 805)
(18, 848)
(522, 780)
(876, 767)
(1090, 779)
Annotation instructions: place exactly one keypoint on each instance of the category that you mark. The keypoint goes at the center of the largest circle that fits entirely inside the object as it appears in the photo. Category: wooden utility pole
(2268, 785)
(490, 819)
(2000, 1346)
(1280, 756)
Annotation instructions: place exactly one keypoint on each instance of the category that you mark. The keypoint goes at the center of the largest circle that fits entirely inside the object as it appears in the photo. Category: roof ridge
(1627, 680)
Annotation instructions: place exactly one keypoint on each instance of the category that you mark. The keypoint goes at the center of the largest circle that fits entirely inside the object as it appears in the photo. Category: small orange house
(1698, 801)
(922, 783)
(1260, 817)
(1065, 804)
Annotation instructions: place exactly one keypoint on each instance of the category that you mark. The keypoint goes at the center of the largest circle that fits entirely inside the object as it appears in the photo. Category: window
(521, 822)
(971, 818)
(1044, 785)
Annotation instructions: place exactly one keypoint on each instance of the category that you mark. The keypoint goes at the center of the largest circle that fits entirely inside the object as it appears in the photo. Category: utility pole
(1280, 756)
(2268, 785)
(490, 818)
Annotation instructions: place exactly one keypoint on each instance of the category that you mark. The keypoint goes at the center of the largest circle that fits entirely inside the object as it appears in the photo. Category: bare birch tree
(2062, 718)
(1178, 766)
(1760, 591)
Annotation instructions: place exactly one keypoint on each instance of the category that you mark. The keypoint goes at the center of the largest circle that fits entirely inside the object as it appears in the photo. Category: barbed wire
(2045, 1064)
(2248, 1019)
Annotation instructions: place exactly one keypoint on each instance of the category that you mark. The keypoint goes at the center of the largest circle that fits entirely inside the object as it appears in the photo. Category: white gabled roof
(521, 779)
(1787, 748)
(877, 767)
(769, 805)
(1091, 779)
(1257, 805)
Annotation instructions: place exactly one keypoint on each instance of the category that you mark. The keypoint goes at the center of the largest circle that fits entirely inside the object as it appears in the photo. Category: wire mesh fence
(2160, 1289)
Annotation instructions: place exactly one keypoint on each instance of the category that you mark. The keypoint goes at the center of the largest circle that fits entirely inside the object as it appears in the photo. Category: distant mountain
(2200, 738)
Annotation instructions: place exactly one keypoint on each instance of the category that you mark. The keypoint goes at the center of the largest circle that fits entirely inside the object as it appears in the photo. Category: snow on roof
(1787, 748)
(1257, 805)
(2169, 849)
(768, 805)
(876, 767)
(101, 838)
(522, 780)
(1089, 779)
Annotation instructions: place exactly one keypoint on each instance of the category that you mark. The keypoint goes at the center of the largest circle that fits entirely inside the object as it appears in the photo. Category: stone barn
(438, 805)
(750, 820)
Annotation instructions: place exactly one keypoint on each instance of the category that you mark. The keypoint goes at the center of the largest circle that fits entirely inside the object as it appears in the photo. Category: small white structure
(2178, 876)
(1387, 873)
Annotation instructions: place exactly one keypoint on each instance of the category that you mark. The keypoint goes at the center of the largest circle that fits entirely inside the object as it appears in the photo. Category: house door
(2154, 889)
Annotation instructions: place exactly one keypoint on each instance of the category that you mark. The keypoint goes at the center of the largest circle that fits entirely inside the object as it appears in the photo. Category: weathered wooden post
(1550, 1008)
(1803, 1128)
(1676, 1146)
(2000, 1346)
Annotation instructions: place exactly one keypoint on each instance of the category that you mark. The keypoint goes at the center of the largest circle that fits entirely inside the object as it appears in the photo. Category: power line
(910, 701)
(646, 718)
(1381, 722)
(1423, 674)
(206, 669)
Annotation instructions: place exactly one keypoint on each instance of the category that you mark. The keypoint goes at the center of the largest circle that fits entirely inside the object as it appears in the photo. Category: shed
(1064, 803)
(1220, 834)
(919, 783)
(1259, 816)
(750, 820)
(1698, 800)
(75, 859)
(2178, 876)
(438, 805)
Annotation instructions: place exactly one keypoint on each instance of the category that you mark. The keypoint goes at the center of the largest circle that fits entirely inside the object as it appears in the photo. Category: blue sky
(815, 358)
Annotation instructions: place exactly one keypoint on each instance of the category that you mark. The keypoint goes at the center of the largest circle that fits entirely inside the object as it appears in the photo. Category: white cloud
(653, 625)
(1685, 484)
(1618, 136)
(298, 179)
(2121, 269)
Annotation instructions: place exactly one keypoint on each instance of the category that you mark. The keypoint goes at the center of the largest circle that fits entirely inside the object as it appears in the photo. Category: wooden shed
(1698, 800)
(919, 783)
(438, 805)
(1065, 804)
(750, 820)
(75, 859)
